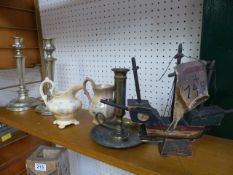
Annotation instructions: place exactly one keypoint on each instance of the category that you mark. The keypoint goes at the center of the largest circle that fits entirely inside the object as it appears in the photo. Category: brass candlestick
(119, 98)
(49, 48)
(117, 134)
(23, 102)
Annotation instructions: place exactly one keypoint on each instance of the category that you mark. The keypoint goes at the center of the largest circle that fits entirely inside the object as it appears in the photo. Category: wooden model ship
(188, 116)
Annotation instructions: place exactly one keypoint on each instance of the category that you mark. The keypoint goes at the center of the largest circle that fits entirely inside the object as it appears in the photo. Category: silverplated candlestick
(23, 102)
(49, 48)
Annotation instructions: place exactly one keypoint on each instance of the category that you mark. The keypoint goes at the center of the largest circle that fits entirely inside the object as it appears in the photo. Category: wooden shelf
(211, 155)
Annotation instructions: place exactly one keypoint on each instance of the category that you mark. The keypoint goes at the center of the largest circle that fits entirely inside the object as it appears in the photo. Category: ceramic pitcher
(64, 105)
(101, 91)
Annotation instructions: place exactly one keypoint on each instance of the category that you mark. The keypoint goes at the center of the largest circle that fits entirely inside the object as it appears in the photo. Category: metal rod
(178, 56)
(135, 74)
(111, 103)
(17, 8)
(12, 86)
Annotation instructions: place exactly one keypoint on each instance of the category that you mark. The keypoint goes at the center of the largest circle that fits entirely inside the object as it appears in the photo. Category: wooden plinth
(211, 155)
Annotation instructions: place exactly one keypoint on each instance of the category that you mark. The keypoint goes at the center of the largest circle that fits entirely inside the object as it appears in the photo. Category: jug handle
(100, 118)
(85, 88)
(45, 97)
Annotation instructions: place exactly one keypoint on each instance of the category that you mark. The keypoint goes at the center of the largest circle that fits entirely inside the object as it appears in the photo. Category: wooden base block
(47, 161)
(180, 147)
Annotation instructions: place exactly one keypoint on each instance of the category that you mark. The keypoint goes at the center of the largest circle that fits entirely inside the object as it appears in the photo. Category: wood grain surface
(211, 155)
(30, 38)
(24, 4)
(17, 18)
(8, 60)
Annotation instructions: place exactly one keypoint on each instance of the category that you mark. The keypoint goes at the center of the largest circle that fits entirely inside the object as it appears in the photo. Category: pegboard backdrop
(94, 36)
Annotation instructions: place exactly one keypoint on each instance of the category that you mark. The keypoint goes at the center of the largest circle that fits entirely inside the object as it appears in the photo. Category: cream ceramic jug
(101, 91)
(64, 105)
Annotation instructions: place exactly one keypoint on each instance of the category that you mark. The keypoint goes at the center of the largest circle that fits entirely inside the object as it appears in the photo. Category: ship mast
(178, 57)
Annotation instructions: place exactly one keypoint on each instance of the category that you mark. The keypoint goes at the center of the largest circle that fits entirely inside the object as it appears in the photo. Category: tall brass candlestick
(119, 98)
(23, 102)
(49, 48)
(117, 134)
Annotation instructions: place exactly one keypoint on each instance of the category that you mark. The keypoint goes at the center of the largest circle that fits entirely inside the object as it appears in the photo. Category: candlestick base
(22, 104)
(43, 110)
(106, 137)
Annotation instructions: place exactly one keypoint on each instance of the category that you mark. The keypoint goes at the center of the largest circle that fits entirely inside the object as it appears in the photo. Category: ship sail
(191, 89)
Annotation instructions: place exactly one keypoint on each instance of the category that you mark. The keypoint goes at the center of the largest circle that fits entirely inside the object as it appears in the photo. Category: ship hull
(181, 132)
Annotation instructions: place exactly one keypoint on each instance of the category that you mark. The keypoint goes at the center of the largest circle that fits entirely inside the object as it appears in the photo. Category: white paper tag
(40, 167)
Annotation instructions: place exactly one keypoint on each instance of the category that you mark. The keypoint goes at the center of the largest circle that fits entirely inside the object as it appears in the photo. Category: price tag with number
(40, 167)
(192, 81)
